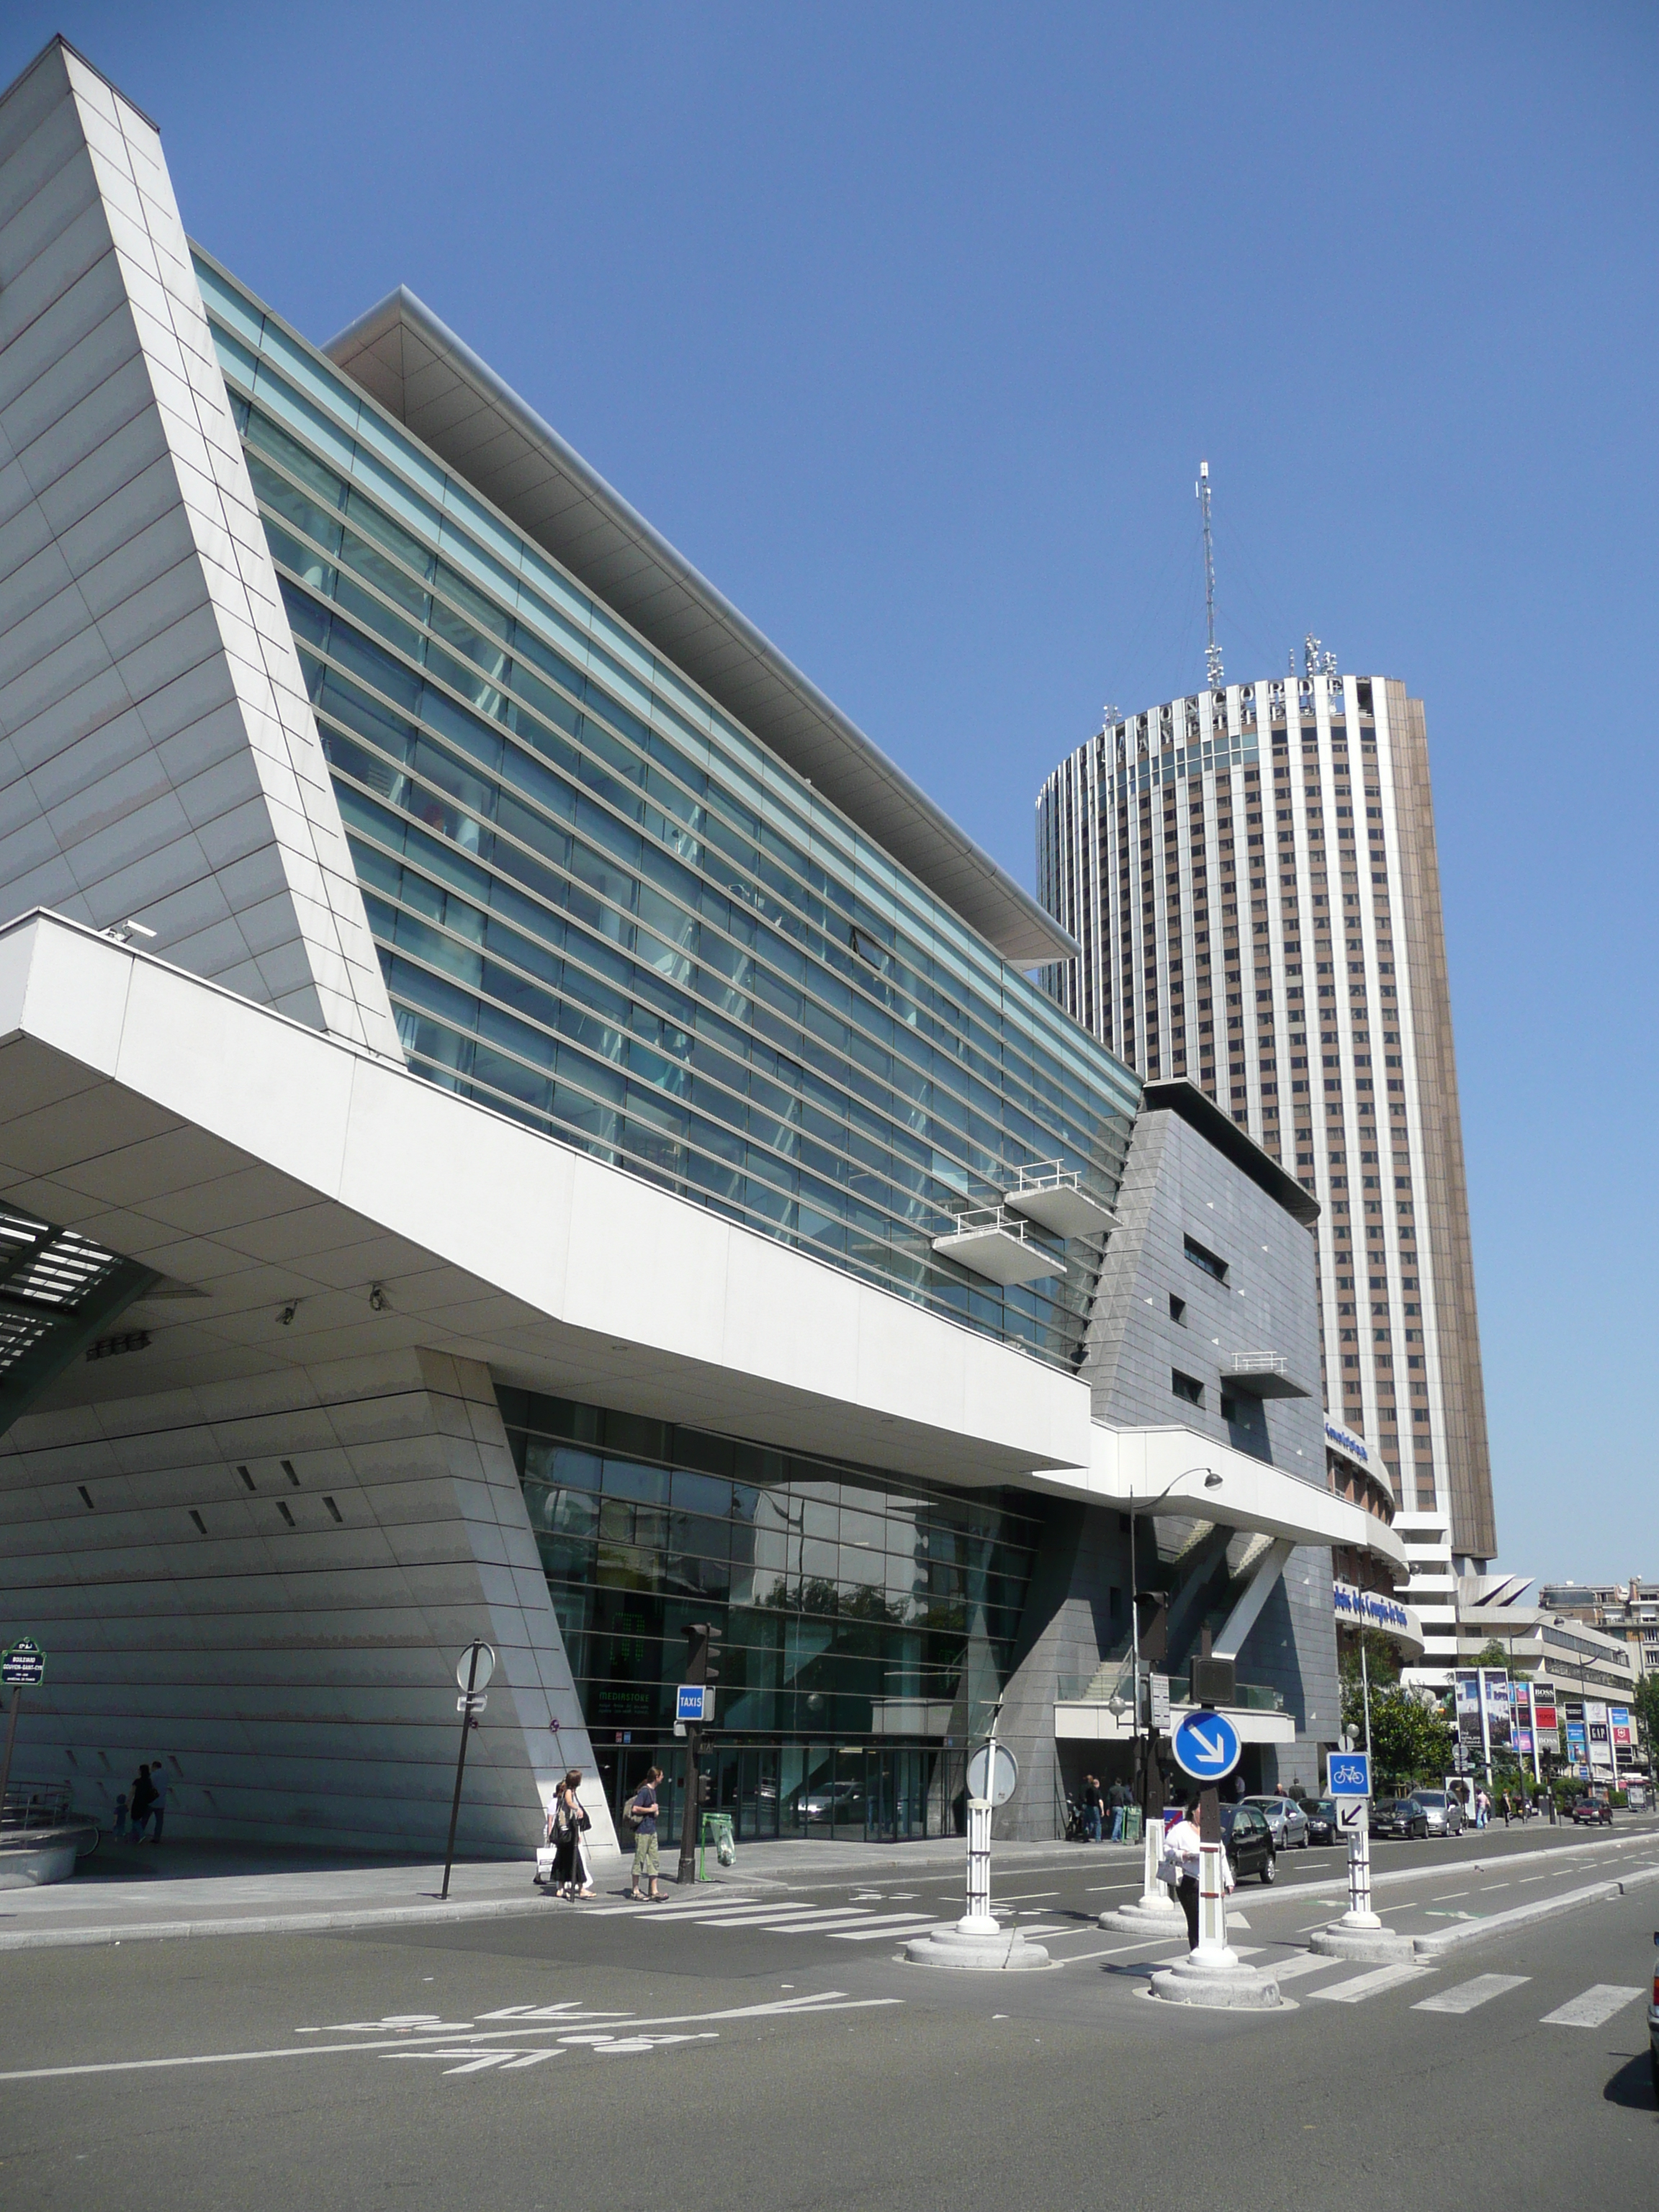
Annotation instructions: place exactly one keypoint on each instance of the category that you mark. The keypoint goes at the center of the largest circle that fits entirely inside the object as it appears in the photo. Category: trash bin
(1132, 1825)
(717, 1830)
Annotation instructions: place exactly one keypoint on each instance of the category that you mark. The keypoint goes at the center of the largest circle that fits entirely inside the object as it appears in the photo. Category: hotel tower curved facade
(1251, 875)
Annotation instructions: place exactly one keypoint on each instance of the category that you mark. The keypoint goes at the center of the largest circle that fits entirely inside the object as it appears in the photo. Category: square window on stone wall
(1186, 1387)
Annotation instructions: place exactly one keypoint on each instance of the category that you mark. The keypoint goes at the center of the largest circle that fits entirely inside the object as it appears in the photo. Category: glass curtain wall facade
(604, 908)
(868, 1624)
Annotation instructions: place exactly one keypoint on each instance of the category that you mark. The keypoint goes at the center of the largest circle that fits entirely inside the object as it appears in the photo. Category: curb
(273, 1923)
(1523, 1916)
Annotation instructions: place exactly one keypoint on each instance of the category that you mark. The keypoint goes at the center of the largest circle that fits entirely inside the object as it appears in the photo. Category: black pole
(689, 1818)
(461, 1767)
(11, 1738)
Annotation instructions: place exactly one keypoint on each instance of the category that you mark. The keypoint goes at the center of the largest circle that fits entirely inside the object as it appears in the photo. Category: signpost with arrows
(1207, 1747)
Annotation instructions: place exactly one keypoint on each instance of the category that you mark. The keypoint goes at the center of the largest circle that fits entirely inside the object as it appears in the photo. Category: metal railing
(1115, 1680)
(37, 1805)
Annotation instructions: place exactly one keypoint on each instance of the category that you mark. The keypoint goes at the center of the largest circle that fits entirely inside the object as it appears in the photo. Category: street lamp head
(1211, 1481)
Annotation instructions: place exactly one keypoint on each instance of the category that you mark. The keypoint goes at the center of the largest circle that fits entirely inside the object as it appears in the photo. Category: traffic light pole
(688, 1872)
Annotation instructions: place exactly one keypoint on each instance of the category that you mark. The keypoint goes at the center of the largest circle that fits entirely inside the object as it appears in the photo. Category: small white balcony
(994, 1244)
(1053, 1197)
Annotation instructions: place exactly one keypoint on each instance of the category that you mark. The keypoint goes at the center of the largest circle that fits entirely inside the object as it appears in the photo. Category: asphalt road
(707, 2055)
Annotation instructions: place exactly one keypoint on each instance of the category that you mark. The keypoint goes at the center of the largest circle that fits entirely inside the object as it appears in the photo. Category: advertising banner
(1596, 1729)
(1467, 1684)
(1619, 1721)
(1495, 1694)
(1544, 1718)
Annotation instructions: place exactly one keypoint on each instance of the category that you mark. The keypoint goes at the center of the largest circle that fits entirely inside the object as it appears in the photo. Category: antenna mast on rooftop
(1212, 673)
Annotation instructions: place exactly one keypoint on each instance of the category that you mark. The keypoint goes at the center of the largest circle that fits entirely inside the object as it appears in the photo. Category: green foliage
(1493, 1654)
(1381, 1657)
(1411, 1737)
(1644, 1705)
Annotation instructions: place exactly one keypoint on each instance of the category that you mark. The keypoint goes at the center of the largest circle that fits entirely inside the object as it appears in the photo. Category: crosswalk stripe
(1372, 1985)
(1594, 2008)
(764, 1916)
(902, 1923)
(1467, 1995)
(1308, 1962)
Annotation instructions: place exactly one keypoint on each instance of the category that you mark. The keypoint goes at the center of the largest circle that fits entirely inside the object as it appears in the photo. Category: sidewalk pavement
(134, 1893)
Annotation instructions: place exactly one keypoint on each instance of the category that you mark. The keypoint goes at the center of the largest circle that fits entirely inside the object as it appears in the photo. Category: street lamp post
(1147, 1762)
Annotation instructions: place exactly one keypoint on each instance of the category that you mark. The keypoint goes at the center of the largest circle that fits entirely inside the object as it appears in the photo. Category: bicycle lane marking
(408, 2038)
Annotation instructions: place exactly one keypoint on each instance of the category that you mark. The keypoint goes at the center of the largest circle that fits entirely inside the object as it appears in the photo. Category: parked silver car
(1445, 1814)
(1286, 1819)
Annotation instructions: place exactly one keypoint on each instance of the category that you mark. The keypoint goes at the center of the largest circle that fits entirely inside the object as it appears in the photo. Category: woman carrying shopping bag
(581, 1866)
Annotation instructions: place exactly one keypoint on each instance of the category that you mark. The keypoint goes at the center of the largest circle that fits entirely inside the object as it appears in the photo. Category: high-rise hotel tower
(1252, 876)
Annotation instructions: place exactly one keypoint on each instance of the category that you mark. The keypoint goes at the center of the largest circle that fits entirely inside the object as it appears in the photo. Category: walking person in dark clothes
(142, 1798)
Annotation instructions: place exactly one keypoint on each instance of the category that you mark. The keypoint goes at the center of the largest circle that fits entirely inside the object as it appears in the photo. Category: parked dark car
(1399, 1816)
(1322, 1821)
(1593, 1813)
(1249, 1843)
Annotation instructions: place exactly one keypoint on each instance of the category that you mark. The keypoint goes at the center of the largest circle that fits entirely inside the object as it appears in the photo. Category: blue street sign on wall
(1207, 1747)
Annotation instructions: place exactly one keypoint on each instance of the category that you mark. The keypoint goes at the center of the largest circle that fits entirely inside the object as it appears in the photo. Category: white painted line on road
(1306, 1962)
(1486, 1886)
(901, 1923)
(1594, 2009)
(1468, 1995)
(1526, 1878)
(764, 1916)
(1024, 1896)
(782, 2007)
(1372, 1985)
(1445, 1896)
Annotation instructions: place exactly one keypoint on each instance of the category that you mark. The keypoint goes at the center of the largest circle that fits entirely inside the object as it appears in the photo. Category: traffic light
(705, 1787)
(705, 1647)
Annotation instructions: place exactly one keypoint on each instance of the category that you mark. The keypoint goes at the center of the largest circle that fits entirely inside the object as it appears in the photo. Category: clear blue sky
(909, 325)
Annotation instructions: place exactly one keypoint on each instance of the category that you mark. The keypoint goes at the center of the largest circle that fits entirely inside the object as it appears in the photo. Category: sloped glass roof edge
(429, 379)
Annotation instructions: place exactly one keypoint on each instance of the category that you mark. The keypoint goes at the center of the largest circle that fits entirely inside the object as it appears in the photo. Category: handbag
(1170, 1870)
(545, 1858)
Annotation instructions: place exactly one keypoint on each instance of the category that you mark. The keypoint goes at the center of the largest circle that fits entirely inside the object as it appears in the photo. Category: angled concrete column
(158, 755)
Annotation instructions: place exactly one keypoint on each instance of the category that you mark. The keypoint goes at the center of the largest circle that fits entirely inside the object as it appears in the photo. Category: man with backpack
(640, 1815)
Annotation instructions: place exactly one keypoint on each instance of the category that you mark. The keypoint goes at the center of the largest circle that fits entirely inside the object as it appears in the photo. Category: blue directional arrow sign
(1348, 1774)
(1207, 1747)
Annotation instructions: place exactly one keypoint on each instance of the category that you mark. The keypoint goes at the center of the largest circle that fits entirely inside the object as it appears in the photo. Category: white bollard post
(1359, 1913)
(1153, 1895)
(1212, 1905)
(978, 1919)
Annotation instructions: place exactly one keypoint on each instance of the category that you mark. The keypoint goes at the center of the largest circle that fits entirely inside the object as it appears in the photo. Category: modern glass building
(561, 1137)
(604, 907)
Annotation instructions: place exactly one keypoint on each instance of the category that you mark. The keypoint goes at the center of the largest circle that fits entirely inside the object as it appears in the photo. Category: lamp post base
(1351, 1937)
(1220, 1980)
(1156, 1914)
(1004, 1951)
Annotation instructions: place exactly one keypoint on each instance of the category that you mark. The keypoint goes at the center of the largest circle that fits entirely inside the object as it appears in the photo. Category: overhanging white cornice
(256, 1163)
(1134, 1468)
